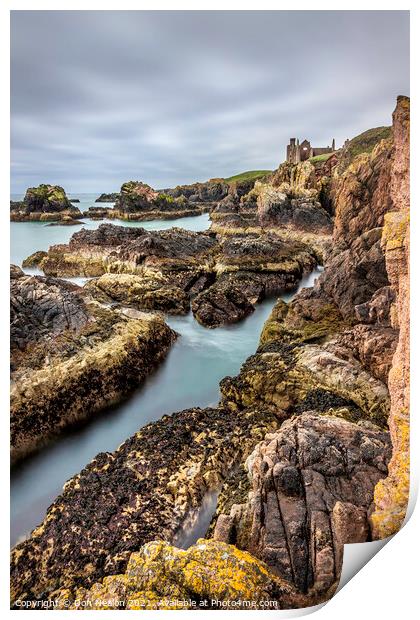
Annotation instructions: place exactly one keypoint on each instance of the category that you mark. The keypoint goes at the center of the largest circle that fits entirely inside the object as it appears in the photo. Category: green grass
(250, 175)
(319, 158)
(365, 142)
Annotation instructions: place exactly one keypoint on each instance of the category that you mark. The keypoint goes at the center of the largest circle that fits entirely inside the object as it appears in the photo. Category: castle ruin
(300, 152)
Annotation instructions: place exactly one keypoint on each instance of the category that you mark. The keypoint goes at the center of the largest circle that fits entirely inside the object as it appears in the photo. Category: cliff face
(391, 494)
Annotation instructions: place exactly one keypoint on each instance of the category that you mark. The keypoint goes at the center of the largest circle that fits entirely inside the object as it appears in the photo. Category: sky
(171, 97)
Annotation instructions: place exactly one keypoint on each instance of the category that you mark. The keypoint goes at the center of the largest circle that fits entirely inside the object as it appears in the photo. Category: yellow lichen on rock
(210, 574)
(391, 494)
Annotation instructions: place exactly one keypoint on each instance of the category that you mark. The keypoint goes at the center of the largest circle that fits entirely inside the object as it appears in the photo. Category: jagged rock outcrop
(142, 491)
(317, 383)
(209, 575)
(288, 377)
(276, 209)
(391, 494)
(45, 203)
(42, 307)
(312, 487)
(363, 143)
(292, 202)
(168, 268)
(120, 249)
(138, 201)
(70, 357)
(211, 191)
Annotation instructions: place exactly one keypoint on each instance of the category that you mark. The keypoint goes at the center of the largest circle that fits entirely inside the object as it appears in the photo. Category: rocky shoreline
(309, 442)
(71, 357)
(168, 270)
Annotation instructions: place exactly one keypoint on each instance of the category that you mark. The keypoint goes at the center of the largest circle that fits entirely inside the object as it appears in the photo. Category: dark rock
(113, 197)
(143, 491)
(45, 202)
(219, 304)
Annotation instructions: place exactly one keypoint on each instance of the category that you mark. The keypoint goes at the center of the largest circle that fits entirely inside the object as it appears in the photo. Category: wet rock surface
(224, 278)
(70, 357)
(221, 303)
(124, 499)
(138, 292)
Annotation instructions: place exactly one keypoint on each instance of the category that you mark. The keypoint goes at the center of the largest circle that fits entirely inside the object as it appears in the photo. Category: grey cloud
(174, 97)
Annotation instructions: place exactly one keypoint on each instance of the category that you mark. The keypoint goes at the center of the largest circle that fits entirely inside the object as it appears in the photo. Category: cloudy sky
(101, 97)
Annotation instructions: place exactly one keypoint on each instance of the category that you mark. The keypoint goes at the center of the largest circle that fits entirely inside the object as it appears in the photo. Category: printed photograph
(209, 289)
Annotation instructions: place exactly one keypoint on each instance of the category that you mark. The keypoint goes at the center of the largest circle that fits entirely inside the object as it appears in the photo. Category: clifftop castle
(300, 152)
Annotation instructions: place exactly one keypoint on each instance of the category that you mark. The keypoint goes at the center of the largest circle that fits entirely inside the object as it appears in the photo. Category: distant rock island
(107, 197)
(44, 203)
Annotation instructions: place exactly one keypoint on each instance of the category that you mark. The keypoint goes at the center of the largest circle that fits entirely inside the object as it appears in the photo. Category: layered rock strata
(311, 491)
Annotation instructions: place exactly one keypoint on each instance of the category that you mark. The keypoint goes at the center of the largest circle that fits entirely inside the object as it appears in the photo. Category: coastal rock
(289, 377)
(219, 304)
(97, 213)
(391, 494)
(135, 196)
(143, 491)
(276, 209)
(374, 346)
(70, 358)
(34, 259)
(121, 249)
(209, 575)
(211, 191)
(377, 310)
(41, 307)
(265, 253)
(227, 275)
(317, 383)
(138, 201)
(139, 292)
(45, 203)
(108, 197)
(312, 486)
